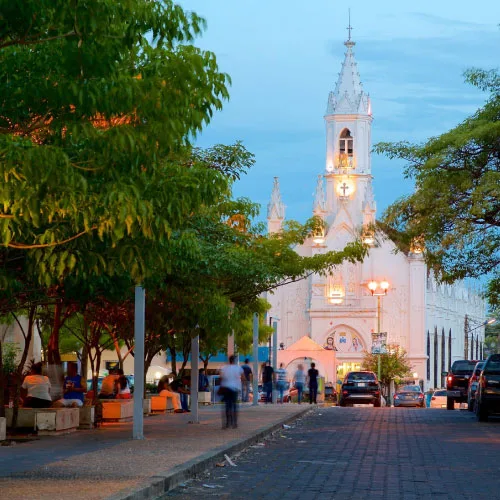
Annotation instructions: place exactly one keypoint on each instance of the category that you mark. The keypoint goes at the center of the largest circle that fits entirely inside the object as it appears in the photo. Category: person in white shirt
(231, 376)
(37, 388)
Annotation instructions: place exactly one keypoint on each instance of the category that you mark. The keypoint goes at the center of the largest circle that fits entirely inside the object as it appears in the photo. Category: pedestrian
(122, 388)
(74, 388)
(281, 381)
(202, 381)
(36, 389)
(165, 391)
(180, 386)
(247, 381)
(108, 385)
(300, 379)
(231, 376)
(312, 377)
(267, 381)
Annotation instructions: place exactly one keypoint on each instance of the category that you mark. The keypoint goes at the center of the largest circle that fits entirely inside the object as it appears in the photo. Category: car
(360, 387)
(409, 395)
(438, 399)
(457, 382)
(488, 390)
(473, 383)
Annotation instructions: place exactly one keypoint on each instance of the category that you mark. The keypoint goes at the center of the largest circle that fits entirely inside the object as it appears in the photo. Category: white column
(195, 357)
(255, 383)
(139, 320)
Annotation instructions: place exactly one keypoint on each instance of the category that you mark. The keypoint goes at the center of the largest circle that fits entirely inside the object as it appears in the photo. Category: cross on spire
(349, 28)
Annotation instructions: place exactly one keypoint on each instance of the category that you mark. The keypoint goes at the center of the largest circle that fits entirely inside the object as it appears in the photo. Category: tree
(455, 208)
(393, 365)
(98, 99)
(492, 335)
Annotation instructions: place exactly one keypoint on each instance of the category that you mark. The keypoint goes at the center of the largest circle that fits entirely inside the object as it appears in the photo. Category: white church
(390, 291)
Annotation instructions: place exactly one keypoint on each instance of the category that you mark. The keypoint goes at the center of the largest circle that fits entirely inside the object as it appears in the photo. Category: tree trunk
(85, 362)
(2, 385)
(173, 355)
(53, 354)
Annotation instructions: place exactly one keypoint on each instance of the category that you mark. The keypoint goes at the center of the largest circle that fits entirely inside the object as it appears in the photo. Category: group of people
(36, 388)
(300, 380)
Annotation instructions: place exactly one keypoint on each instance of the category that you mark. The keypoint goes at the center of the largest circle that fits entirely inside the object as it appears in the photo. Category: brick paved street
(365, 453)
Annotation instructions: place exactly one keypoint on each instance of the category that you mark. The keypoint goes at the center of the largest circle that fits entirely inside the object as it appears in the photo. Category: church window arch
(346, 143)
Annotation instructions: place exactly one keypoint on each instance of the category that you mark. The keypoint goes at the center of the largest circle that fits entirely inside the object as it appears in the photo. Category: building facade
(434, 323)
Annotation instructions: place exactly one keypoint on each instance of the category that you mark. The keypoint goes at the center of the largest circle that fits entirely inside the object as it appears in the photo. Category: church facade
(390, 291)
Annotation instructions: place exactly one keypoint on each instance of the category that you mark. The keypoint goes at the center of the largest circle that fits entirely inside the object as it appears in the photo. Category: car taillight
(421, 396)
(377, 392)
(433, 398)
(345, 392)
(450, 378)
(396, 396)
(484, 382)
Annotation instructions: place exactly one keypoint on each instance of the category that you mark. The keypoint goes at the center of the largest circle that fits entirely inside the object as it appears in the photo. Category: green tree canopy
(456, 205)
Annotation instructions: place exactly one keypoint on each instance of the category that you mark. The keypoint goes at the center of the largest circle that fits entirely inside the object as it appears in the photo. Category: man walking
(247, 380)
(312, 377)
(231, 376)
(267, 381)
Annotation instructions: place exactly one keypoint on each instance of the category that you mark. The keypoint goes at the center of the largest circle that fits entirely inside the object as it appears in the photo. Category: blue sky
(284, 58)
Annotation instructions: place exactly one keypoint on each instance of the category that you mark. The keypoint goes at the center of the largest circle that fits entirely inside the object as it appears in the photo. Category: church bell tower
(348, 122)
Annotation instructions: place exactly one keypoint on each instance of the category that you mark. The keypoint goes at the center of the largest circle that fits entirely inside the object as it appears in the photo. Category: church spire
(275, 208)
(348, 97)
(319, 204)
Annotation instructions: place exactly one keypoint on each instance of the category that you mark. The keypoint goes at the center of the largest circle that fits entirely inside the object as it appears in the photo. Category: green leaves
(456, 206)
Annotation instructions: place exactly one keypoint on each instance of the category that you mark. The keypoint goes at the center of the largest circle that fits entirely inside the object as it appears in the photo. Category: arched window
(346, 143)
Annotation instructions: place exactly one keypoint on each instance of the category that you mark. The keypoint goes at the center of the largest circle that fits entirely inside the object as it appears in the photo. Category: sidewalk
(107, 464)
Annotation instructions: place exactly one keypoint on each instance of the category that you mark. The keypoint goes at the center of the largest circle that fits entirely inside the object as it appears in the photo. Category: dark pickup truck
(488, 391)
(360, 387)
(457, 382)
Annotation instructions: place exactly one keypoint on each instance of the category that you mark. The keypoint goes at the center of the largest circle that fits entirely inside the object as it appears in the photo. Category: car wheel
(450, 404)
(377, 404)
(481, 413)
(342, 403)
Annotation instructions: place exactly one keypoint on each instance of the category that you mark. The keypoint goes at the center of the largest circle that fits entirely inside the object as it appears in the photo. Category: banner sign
(379, 343)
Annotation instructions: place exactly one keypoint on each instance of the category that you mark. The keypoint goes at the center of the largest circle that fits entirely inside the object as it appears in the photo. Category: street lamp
(489, 321)
(378, 289)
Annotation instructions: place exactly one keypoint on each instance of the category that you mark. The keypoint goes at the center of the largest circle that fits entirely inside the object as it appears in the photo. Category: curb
(159, 484)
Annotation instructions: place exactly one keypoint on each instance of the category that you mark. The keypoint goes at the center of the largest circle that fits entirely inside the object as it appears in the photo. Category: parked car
(473, 383)
(457, 382)
(409, 395)
(438, 399)
(360, 388)
(488, 391)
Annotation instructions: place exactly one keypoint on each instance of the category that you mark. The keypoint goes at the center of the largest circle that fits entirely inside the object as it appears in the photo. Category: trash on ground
(220, 464)
(287, 426)
(301, 442)
(212, 486)
(229, 461)
(258, 445)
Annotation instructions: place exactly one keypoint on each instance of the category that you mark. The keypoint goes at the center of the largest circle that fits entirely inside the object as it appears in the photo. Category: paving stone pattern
(365, 453)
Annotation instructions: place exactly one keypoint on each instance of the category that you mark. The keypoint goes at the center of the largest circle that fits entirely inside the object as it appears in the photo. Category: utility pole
(255, 379)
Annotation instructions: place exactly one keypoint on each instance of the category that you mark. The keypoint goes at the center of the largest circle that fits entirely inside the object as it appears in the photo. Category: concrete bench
(146, 406)
(117, 410)
(204, 398)
(3, 428)
(87, 417)
(49, 421)
(161, 404)
(25, 417)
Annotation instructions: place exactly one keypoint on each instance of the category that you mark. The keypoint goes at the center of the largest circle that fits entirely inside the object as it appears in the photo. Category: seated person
(202, 381)
(165, 391)
(108, 386)
(74, 388)
(122, 389)
(182, 386)
(36, 388)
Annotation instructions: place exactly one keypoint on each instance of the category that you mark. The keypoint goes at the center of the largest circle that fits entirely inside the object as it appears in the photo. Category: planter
(146, 406)
(87, 417)
(49, 421)
(117, 410)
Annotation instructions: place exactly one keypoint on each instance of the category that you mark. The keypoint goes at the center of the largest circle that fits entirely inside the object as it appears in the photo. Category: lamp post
(378, 289)
(489, 321)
